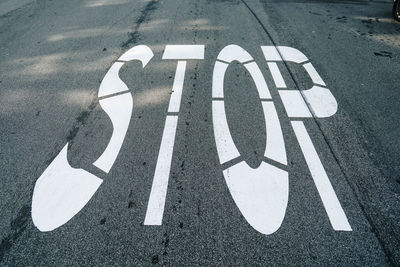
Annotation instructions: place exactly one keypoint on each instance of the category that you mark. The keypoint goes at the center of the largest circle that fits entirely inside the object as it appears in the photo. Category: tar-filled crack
(356, 193)
(383, 54)
(134, 35)
(80, 121)
(18, 226)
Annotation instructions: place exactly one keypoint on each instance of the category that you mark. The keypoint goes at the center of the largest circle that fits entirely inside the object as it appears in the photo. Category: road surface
(231, 132)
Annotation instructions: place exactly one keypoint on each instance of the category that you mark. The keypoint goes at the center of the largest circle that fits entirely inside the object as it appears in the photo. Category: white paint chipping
(181, 52)
(312, 72)
(177, 88)
(275, 145)
(61, 192)
(119, 109)
(225, 146)
(328, 196)
(259, 80)
(276, 75)
(155, 207)
(261, 194)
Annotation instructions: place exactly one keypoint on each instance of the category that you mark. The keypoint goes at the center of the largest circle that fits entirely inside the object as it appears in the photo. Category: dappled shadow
(51, 66)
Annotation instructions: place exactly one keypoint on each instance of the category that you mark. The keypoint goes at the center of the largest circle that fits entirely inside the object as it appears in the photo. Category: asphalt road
(53, 57)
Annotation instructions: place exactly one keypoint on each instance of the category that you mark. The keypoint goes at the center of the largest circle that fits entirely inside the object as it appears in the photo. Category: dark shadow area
(245, 114)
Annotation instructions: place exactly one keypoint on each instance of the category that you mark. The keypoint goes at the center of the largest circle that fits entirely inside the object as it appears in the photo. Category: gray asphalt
(53, 56)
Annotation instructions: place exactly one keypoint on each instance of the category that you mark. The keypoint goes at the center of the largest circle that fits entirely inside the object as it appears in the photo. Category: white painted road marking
(225, 146)
(176, 95)
(320, 100)
(184, 52)
(276, 75)
(258, 78)
(313, 74)
(119, 109)
(234, 52)
(275, 146)
(321, 104)
(285, 53)
(62, 191)
(218, 79)
(111, 83)
(155, 206)
(271, 53)
(262, 193)
(140, 52)
(328, 196)
(294, 104)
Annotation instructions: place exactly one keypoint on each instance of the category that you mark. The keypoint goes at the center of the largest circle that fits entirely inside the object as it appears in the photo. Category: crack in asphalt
(18, 226)
(374, 229)
(20, 223)
(134, 36)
